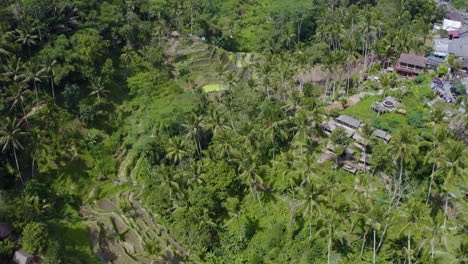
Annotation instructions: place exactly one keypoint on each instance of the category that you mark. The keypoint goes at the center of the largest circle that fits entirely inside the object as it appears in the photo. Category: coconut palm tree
(126, 57)
(404, 147)
(167, 178)
(311, 196)
(435, 140)
(194, 130)
(453, 161)
(26, 38)
(215, 120)
(10, 139)
(248, 168)
(222, 142)
(176, 151)
(99, 90)
(13, 68)
(49, 66)
(34, 73)
(18, 94)
(301, 129)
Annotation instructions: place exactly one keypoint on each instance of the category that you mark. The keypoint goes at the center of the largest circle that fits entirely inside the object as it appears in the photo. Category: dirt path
(173, 48)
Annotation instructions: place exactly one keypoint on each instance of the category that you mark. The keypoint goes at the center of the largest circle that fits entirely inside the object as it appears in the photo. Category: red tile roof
(454, 33)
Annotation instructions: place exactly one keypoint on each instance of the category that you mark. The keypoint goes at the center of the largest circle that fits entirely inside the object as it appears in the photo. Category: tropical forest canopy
(141, 130)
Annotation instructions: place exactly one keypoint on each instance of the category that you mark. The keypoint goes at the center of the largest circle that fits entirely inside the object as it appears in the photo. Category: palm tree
(26, 39)
(126, 57)
(176, 150)
(368, 30)
(10, 139)
(311, 196)
(193, 127)
(35, 73)
(301, 129)
(307, 167)
(18, 94)
(13, 68)
(436, 138)
(222, 143)
(451, 163)
(215, 120)
(248, 168)
(166, 177)
(404, 148)
(414, 214)
(49, 69)
(99, 90)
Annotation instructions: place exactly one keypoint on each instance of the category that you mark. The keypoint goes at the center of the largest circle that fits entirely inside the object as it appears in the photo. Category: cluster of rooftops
(353, 127)
(455, 42)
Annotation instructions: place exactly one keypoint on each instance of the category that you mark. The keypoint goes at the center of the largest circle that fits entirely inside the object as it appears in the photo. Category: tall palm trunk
(446, 211)
(52, 86)
(409, 246)
(433, 169)
(430, 183)
(398, 190)
(329, 245)
(364, 239)
(35, 90)
(374, 253)
(17, 165)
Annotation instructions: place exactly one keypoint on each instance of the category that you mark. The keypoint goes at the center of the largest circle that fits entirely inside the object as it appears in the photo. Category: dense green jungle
(191, 131)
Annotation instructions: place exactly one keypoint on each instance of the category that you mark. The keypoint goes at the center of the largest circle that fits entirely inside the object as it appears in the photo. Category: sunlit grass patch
(214, 88)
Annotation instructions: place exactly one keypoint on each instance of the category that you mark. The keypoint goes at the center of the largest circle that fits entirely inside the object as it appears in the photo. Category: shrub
(7, 247)
(34, 238)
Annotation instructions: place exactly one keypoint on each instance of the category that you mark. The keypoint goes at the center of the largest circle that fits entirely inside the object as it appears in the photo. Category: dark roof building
(5, 230)
(382, 135)
(456, 16)
(434, 61)
(453, 34)
(410, 64)
(349, 122)
(463, 31)
(459, 48)
(465, 64)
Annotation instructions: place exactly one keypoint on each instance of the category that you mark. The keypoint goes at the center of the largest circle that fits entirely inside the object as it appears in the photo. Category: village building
(381, 134)
(364, 162)
(441, 47)
(434, 62)
(328, 126)
(22, 257)
(450, 25)
(348, 122)
(465, 64)
(459, 48)
(455, 16)
(463, 31)
(410, 64)
(349, 167)
(359, 142)
(453, 34)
